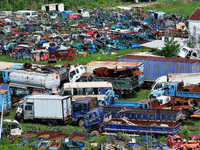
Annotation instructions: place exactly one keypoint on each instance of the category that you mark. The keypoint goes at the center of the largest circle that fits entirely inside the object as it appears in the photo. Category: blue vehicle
(144, 114)
(112, 100)
(97, 121)
(81, 107)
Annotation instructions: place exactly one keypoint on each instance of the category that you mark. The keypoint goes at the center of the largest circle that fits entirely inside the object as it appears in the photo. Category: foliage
(15, 5)
(137, 95)
(170, 50)
(189, 44)
(184, 133)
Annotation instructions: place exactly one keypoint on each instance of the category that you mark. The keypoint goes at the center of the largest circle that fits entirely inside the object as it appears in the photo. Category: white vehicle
(187, 78)
(163, 99)
(26, 13)
(86, 89)
(75, 73)
(12, 127)
(186, 52)
(47, 108)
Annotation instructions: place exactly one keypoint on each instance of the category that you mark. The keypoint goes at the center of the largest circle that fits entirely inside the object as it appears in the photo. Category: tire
(51, 123)
(118, 93)
(94, 133)
(80, 122)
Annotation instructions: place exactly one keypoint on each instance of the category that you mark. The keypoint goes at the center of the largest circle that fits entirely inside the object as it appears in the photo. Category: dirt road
(4, 65)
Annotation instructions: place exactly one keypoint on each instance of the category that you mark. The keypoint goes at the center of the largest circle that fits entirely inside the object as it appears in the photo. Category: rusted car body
(189, 147)
(188, 106)
(193, 88)
(175, 140)
(194, 139)
(121, 72)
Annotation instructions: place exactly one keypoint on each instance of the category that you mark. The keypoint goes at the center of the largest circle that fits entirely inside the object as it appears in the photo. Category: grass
(183, 7)
(137, 95)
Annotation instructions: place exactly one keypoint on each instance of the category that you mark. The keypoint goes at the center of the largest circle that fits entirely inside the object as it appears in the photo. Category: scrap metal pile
(42, 38)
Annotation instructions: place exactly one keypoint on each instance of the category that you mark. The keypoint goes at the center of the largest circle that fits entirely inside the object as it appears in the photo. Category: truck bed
(129, 83)
(196, 96)
(139, 127)
(145, 114)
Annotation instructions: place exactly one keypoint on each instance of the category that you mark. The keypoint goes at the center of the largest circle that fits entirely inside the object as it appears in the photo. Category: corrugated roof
(114, 63)
(160, 58)
(195, 15)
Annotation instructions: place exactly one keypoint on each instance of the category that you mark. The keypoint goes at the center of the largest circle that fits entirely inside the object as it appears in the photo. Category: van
(86, 89)
(26, 13)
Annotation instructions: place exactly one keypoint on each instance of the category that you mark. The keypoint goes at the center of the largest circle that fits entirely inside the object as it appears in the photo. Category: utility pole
(2, 116)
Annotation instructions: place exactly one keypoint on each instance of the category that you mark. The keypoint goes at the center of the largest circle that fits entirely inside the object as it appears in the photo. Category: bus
(86, 89)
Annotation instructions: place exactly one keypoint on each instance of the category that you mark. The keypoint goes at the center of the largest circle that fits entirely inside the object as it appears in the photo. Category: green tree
(170, 50)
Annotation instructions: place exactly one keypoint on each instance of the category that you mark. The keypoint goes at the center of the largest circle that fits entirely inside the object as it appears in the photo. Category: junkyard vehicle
(86, 89)
(189, 147)
(11, 127)
(177, 89)
(81, 107)
(194, 139)
(188, 107)
(123, 80)
(112, 100)
(186, 52)
(46, 108)
(144, 114)
(173, 141)
(187, 78)
(69, 144)
(97, 121)
(193, 88)
(75, 73)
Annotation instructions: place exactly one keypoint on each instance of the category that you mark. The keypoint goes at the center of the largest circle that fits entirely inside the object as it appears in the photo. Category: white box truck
(52, 109)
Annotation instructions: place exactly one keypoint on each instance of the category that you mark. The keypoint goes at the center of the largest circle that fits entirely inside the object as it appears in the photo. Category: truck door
(172, 91)
(28, 112)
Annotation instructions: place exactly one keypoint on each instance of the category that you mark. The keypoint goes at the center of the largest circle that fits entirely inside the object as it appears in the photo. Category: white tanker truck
(36, 81)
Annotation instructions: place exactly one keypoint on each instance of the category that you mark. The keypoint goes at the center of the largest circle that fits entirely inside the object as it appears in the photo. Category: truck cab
(169, 89)
(75, 73)
(186, 52)
(93, 118)
(81, 107)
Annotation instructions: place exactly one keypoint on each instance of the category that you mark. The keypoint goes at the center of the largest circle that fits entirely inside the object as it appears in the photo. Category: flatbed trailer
(145, 114)
(98, 121)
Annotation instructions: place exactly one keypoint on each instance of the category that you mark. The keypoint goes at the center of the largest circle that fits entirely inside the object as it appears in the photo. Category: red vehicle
(194, 139)
(175, 140)
(20, 50)
(189, 147)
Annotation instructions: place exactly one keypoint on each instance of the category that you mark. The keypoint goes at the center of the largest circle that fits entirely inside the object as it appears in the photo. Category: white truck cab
(12, 127)
(76, 72)
(187, 52)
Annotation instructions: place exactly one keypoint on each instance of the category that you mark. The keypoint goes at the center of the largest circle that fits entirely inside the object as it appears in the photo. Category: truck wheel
(51, 123)
(80, 122)
(94, 133)
(118, 93)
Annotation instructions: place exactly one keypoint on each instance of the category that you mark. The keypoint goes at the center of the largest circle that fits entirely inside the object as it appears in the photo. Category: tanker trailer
(35, 82)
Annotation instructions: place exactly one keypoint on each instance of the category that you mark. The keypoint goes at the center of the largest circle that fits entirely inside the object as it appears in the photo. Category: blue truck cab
(81, 107)
(169, 89)
(93, 118)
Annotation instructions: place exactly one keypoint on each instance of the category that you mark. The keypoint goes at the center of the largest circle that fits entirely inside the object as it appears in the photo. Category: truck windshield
(77, 107)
